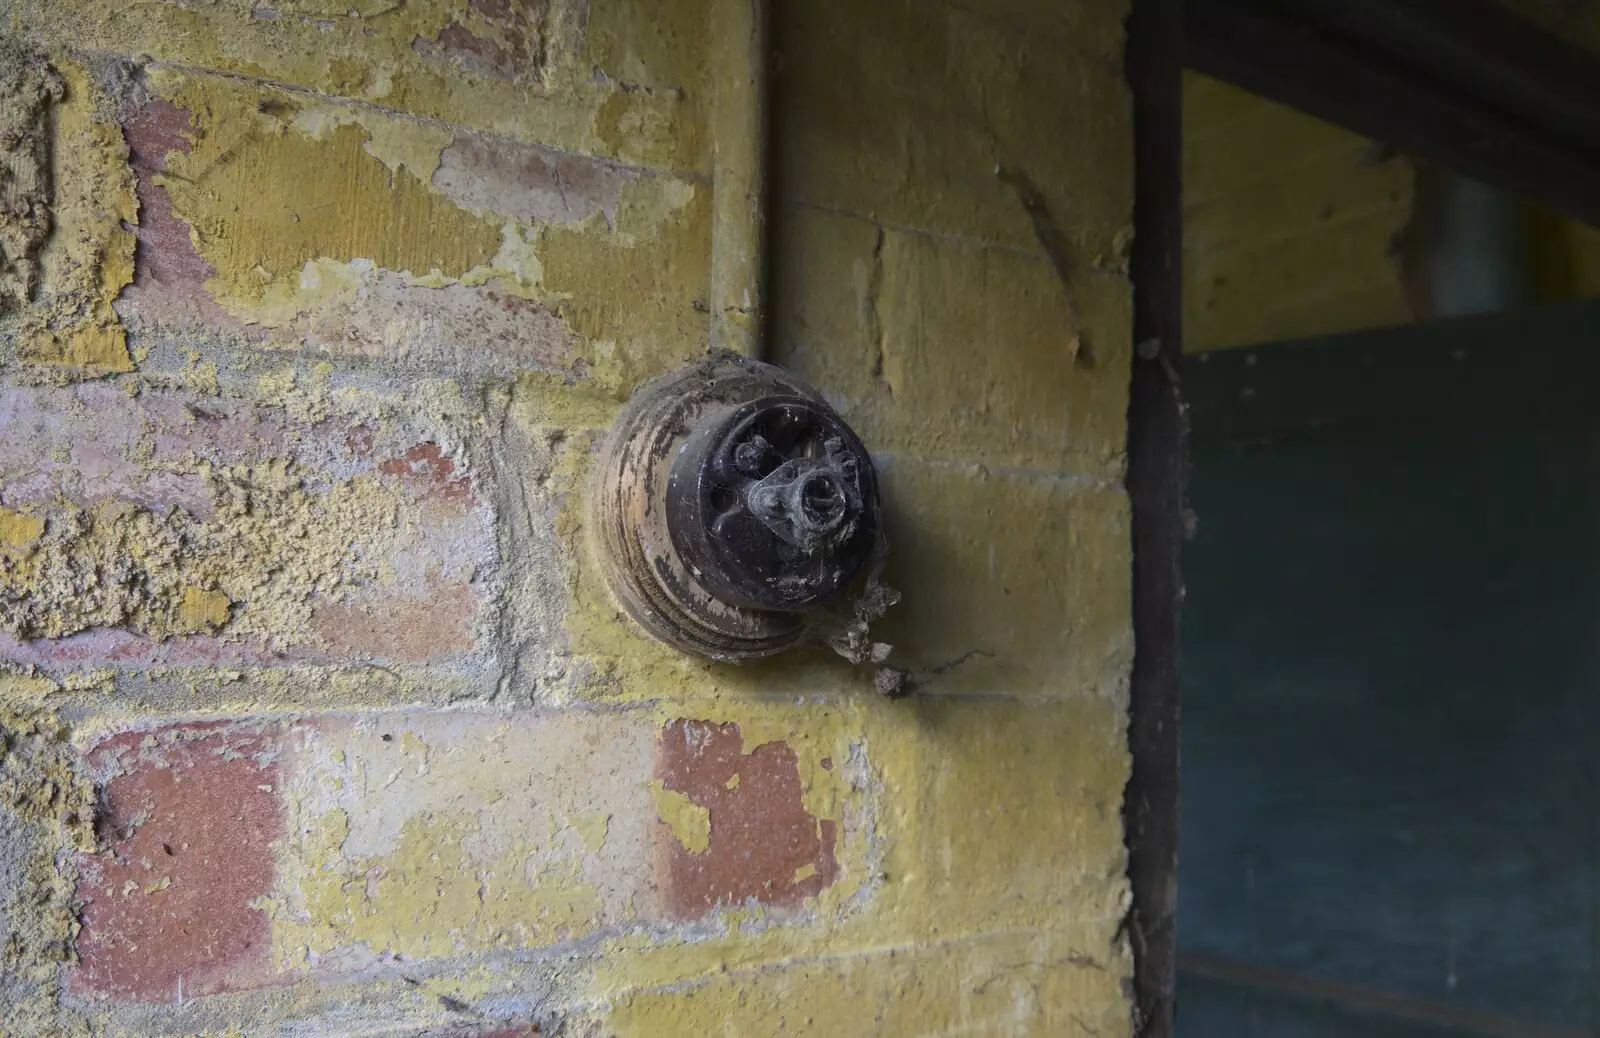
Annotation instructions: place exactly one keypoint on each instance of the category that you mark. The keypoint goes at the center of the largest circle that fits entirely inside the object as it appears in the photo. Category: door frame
(1463, 83)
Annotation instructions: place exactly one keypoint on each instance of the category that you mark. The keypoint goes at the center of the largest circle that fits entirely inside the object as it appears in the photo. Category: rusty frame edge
(1156, 480)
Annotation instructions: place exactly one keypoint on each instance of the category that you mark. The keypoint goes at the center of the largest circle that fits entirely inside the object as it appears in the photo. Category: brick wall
(1292, 226)
(317, 716)
(1295, 227)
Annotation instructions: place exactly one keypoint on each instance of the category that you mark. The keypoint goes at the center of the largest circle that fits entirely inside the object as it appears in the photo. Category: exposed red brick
(91, 444)
(165, 254)
(169, 275)
(531, 182)
(402, 630)
(426, 462)
(359, 442)
(188, 817)
(518, 23)
(761, 833)
(470, 52)
(155, 131)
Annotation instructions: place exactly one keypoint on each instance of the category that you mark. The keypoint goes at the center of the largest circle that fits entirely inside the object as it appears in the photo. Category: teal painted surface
(1391, 731)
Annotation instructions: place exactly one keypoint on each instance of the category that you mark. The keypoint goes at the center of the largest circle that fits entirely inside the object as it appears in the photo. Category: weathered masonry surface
(317, 718)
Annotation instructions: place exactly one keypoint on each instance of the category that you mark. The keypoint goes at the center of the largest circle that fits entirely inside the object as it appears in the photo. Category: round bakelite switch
(731, 504)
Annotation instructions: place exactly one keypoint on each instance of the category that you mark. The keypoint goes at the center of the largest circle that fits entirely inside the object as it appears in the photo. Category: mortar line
(356, 711)
(966, 241)
(875, 951)
(540, 963)
(384, 371)
(119, 720)
(1073, 480)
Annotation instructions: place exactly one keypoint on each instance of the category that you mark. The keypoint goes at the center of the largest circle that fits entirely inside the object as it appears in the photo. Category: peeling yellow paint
(412, 746)
(49, 809)
(690, 823)
(338, 195)
(660, 251)
(592, 827)
(203, 610)
(429, 895)
(545, 402)
(18, 530)
(201, 377)
(635, 93)
(98, 346)
(264, 199)
(1026, 781)
(88, 259)
(24, 691)
(398, 144)
(271, 543)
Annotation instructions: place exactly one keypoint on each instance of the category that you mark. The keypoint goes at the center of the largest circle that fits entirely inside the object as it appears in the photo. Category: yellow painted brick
(989, 817)
(1002, 815)
(827, 275)
(950, 350)
(364, 233)
(1232, 136)
(1013, 582)
(1290, 223)
(977, 831)
(1313, 200)
(908, 115)
(1566, 256)
(637, 292)
(1357, 307)
(1019, 983)
(1338, 280)
(1210, 105)
(479, 836)
(1585, 252)
(1085, 31)
(286, 199)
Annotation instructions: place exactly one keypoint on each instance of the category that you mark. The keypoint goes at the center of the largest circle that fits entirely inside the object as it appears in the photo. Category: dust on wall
(355, 291)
